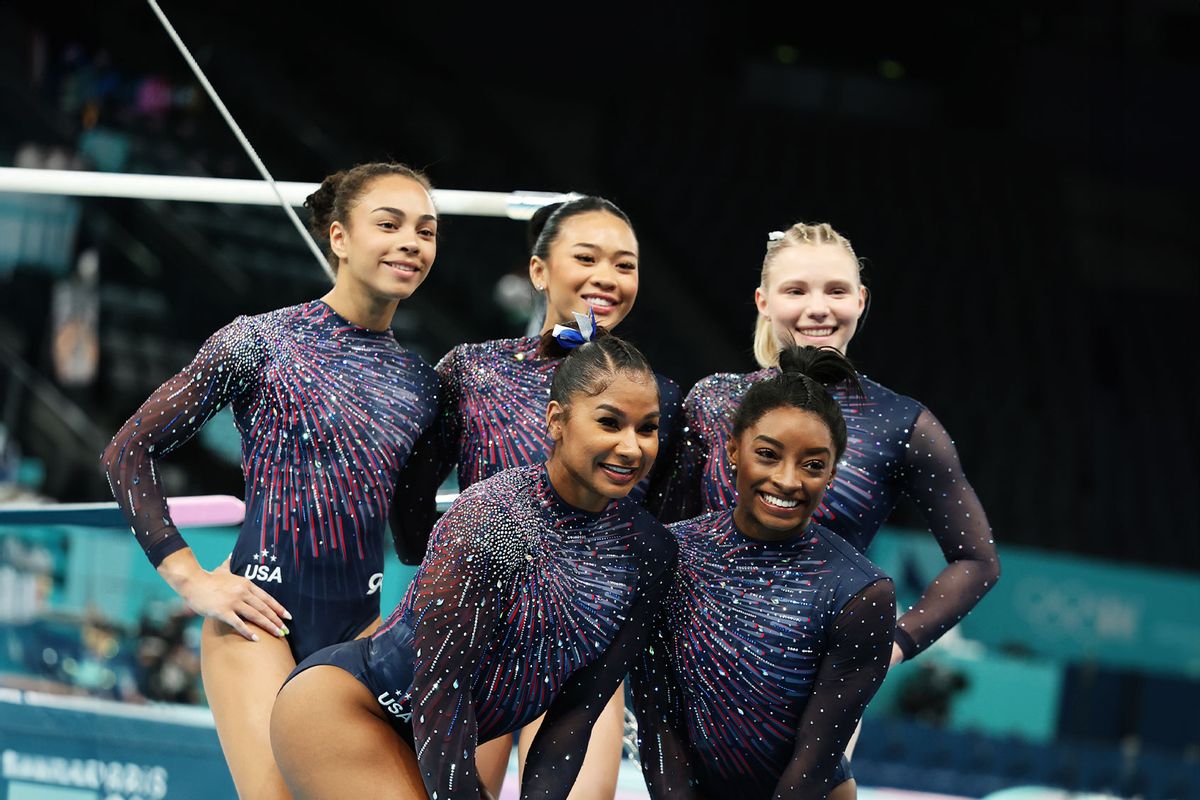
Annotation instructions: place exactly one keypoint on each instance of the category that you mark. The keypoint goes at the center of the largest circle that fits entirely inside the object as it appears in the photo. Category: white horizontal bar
(514, 205)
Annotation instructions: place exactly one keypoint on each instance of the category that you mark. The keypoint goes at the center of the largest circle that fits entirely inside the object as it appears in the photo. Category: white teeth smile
(778, 502)
(402, 267)
(619, 470)
(817, 331)
(600, 301)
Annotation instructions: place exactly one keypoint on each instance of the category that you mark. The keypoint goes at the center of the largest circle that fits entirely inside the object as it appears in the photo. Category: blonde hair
(766, 338)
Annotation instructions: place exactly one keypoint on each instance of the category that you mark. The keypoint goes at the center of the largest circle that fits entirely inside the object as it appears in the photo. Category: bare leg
(491, 760)
(844, 791)
(331, 741)
(849, 789)
(598, 776)
(241, 679)
(853, 741)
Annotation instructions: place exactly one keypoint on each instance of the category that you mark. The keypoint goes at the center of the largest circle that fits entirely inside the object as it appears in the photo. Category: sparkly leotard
(492, 416)
(523, 605)
(761, 664)
(895, 446)
(328, 412)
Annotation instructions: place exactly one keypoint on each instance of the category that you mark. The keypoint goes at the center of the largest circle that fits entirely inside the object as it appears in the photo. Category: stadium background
(1019, 180)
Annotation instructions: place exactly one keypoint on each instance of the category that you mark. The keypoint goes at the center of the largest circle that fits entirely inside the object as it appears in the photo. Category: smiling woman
(584, 258)
(381, 229)
(811, 293)
(777, 631)
(328, 405)
(534, 598)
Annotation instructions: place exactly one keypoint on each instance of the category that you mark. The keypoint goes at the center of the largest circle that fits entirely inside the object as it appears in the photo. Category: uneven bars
(518, 205)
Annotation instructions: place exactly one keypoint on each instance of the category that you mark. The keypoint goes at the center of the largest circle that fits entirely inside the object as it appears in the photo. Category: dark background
(1019, 180)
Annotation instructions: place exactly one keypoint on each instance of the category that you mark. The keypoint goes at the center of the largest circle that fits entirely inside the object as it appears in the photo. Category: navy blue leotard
(762, 661)
(895, 445)
(492, 416)
(328, 412)
(523, 605)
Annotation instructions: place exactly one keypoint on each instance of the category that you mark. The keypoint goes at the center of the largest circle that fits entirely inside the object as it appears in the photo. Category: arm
(225, 367)
(452, 612)
(680, 485)
(414, 503)
(850, 673)
(222, 369)
(934, 478)
(662, 739)
(558, 749)
(670, 421)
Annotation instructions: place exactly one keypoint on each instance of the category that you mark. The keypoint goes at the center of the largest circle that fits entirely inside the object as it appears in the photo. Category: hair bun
(320, 205)
(549, 347)
(825, 365)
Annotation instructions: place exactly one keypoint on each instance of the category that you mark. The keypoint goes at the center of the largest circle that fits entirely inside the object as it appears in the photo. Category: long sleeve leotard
(523, 605)
(492, 416)
(761, 663)
(895, 446)
(328, 412)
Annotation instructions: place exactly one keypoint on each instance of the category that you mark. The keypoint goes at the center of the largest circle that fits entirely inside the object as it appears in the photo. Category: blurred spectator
(928, 694)
(169, 659)
(25, 578)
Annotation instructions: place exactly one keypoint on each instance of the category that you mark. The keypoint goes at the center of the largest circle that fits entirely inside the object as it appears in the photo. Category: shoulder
(853, 568)
(491, 509)
(724, 388)
(655, 542)
(668, 390)
(707, 522)
(241, 339)
(289, 316)
(272, 325)
(470, 354)
(506, 491)
(879, 395)
(419, 369)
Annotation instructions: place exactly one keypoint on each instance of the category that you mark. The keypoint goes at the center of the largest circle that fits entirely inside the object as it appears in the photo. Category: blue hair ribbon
(571, 338)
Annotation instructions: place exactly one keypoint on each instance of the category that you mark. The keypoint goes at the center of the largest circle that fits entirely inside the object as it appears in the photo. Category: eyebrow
(597, 247)
(395, 212)
(802, 282)
(781, 446)
(621, 413)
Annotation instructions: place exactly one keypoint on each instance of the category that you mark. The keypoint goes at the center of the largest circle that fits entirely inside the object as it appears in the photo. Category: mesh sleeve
(860, 647)
(451, 613)
(662, 741)
(934, 478)
(560, 745)
(414, 506)
(224, 367)
(680, 489)
(669, 423)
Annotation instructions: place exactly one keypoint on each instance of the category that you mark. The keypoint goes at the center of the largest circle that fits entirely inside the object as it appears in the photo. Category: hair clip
(571, 338)
(775, 236)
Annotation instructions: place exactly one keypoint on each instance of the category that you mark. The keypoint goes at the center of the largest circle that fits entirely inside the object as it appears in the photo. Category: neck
(551, 321)
(361, 306)
(572, 492)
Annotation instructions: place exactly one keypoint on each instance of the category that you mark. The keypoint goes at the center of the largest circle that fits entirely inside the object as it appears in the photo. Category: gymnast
(777, 631)
(328, 405)
(534, 597)
(492, 416)
(811, 288)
